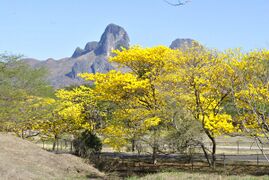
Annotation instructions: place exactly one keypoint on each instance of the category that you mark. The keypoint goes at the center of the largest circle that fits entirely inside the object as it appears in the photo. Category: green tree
(20, 88)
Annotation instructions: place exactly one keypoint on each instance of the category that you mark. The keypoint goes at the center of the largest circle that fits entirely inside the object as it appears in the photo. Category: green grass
(196, 176)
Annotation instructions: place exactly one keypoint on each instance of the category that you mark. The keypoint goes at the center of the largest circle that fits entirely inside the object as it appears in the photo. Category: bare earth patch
(21, 159)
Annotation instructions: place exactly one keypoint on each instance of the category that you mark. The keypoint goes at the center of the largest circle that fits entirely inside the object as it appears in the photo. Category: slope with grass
(21, 159)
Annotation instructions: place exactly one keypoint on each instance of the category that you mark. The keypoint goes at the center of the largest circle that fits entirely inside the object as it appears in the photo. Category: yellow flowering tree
(136, 94)
(24, 117)
(65, 114)
(21, 89)
(79, 105)
(200, 81)
(252, 95)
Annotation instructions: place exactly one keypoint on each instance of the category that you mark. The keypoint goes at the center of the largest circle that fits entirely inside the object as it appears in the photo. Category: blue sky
(54, 28)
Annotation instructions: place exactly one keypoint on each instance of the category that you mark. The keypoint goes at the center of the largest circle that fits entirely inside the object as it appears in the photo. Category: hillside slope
(21, 159)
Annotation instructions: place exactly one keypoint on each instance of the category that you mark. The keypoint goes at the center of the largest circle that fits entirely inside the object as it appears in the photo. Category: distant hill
(92, 58)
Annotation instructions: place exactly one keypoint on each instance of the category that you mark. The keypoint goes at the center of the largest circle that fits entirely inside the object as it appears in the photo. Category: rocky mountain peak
(92, 58)
(78, 52)
(90, 46)
(181, 43)
(114, 37)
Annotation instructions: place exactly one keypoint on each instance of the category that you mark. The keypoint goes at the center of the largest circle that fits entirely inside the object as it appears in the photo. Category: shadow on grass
(94, 176)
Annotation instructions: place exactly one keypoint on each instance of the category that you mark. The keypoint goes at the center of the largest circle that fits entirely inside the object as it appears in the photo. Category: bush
(86, 144)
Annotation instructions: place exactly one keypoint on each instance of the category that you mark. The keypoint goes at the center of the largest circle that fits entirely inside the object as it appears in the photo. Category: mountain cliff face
(91, 65)
(92, 58)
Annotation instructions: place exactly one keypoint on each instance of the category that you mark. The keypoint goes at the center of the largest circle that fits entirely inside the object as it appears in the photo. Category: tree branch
(179, 3)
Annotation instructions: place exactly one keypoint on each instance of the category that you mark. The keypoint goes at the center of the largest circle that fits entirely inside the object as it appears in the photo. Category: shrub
(86, 144)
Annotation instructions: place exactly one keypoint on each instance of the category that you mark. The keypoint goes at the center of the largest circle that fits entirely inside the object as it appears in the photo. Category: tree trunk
(133, 145)
(71, 146)
(57, 143)
(54, 142)
(22, 134)
(154, 148)
(154, 154)
(54, 145)
(206, 155)
(214, 146)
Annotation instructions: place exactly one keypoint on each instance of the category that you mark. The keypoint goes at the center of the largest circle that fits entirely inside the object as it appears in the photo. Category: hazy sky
(54, 28)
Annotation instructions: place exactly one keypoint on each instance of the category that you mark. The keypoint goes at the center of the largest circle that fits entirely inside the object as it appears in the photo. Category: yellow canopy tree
(251, 96)
(136, 93)
(200, 80)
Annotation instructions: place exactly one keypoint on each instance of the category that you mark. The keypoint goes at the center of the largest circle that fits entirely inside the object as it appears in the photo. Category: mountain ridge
(91, 59)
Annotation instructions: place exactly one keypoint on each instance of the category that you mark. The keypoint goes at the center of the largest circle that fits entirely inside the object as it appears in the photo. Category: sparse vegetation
(196, 176)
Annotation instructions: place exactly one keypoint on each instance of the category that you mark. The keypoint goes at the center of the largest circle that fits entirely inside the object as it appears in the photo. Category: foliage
(252, 95)
(21, 88)
(65, 115)
(140, 104)
(166, 98)
(87, 143)
(201, 80)
(184, 133)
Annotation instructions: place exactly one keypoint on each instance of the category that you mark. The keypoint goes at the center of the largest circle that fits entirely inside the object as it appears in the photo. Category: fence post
(237, 146)
(257, 159)
(191, 157)
(224, 165)
(191, 161)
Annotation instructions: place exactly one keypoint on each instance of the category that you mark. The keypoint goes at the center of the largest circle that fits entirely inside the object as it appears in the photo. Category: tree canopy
(157, 96)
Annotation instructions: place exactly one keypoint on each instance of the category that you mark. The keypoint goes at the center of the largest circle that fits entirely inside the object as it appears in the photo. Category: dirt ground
(21, 159)
(127, 166)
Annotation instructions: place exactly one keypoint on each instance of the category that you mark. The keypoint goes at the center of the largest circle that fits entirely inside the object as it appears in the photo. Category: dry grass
(196, 176)
(21, 159)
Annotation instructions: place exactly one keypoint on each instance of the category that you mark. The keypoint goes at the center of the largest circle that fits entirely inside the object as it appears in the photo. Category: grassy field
(196, 176)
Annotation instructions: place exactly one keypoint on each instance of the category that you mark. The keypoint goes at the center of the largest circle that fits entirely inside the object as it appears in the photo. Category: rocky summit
(114, 37)
(92, 58)
(181, 43)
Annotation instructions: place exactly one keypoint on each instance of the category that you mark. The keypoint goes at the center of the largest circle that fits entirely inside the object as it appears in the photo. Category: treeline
(166, 98)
